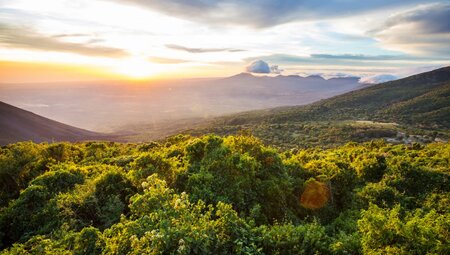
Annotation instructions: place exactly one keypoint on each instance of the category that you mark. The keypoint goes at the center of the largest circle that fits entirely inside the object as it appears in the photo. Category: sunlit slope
(20, 125)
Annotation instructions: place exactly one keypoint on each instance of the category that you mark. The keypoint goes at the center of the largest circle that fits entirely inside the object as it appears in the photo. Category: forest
(224, 195)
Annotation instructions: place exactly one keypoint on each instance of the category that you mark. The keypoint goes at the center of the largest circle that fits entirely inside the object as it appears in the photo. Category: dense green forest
(224, 195)
(326, 134)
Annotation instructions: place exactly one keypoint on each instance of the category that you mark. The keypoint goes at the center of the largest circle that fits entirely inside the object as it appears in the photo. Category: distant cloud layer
(423, 30)
(262, 13)
(260, 66)
(379, 78)
(200, 50)
(275, 69)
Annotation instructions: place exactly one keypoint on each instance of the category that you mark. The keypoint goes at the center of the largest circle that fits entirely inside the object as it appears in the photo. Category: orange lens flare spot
(315, 195)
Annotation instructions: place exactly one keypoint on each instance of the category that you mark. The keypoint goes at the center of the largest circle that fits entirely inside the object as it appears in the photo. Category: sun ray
(136, 68)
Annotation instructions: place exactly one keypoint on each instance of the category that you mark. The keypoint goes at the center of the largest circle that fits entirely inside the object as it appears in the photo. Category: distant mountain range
(418, 104)
(20, 125)
(104, 106)
(421, 102)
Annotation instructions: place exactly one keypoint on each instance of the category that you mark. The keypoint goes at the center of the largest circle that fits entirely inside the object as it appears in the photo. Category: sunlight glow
(136, 68)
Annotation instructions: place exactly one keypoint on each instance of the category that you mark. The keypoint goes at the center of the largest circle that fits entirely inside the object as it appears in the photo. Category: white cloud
(260, 66)
(379, 78)
(397, 74)
(276, 69)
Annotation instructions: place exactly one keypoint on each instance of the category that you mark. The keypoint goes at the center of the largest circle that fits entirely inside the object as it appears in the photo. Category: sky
(69, 40)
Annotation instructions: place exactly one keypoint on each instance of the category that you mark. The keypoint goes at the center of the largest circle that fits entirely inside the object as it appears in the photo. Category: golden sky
(64, 40)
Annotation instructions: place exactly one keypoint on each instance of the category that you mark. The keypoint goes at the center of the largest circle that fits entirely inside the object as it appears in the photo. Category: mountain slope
(413, 109)
(20, 125)
(420, 100)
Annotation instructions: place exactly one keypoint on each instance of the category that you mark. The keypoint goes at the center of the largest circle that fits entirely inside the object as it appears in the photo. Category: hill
(413, 109)
(19, 125)
(420, 100)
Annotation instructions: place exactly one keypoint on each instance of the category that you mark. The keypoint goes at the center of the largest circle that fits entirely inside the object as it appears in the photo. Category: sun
(136, 68)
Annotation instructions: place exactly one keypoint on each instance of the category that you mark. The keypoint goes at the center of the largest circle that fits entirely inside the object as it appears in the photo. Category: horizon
(70, 41)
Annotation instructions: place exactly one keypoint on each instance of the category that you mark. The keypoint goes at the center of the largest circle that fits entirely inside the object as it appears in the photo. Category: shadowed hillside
(20, 125)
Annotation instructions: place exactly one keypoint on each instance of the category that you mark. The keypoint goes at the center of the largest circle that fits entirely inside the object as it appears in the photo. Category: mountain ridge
(358, 102)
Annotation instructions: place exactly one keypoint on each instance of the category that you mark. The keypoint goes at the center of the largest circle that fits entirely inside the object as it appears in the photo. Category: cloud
(398, 74)
(361, 57)
(276, 69)
(347, 60)
(200, 50)
(263, 13)
(330, 75)
(20, 37)
(422, 30)
(260, 66)
(378, 78)
(160, 60)
(71, 35)
(404, 72)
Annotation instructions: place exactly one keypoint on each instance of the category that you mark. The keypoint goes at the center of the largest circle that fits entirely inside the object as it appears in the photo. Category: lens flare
(315, 195)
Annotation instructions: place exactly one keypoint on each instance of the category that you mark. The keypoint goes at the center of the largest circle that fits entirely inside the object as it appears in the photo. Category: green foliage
(289, 239)
(391, 231)
(19, 163)
(240, 171)
(89, 241)
(34, 212)
(58, 180)
(214, 195)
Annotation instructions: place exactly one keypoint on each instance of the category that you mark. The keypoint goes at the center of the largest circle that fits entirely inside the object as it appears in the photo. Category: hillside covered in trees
(224, 195)
(421, 100)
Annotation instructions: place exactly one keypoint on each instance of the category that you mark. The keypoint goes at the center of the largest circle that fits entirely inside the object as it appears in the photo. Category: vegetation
(224, 195)
(326, 134)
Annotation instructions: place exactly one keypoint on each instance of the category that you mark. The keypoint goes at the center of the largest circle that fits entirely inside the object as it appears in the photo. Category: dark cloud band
(431, 30)
(263, 13)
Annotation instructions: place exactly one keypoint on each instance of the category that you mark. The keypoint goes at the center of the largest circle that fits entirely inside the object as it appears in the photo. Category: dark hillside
(20, 125)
